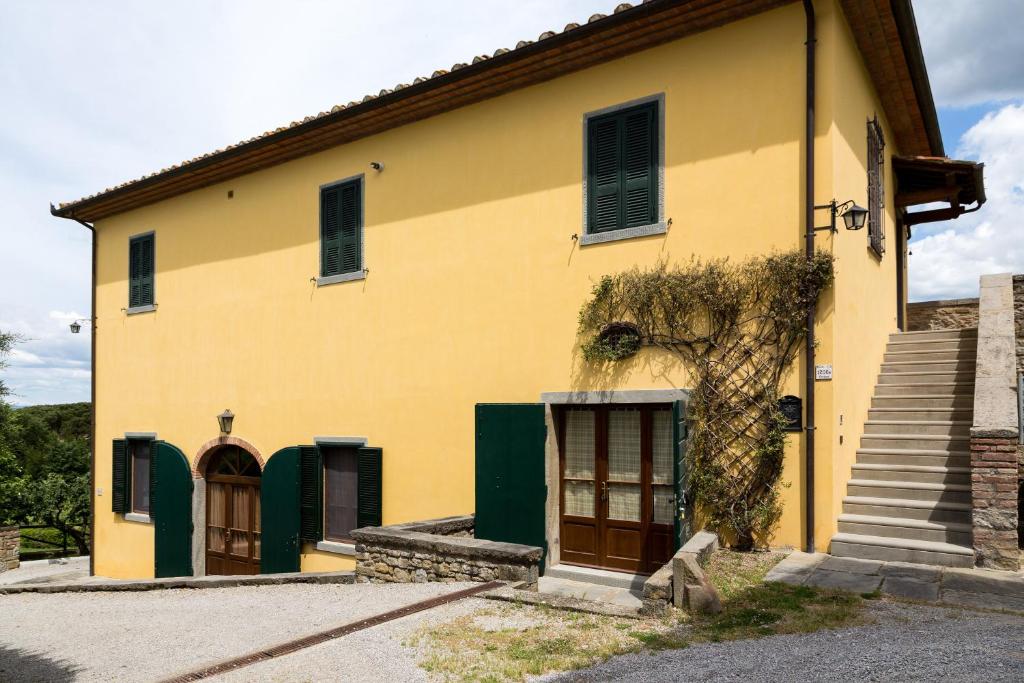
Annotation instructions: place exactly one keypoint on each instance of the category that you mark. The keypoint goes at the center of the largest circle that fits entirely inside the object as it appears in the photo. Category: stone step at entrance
(596, 585)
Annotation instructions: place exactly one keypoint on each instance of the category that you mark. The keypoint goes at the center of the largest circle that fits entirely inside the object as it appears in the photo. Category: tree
(60, 497)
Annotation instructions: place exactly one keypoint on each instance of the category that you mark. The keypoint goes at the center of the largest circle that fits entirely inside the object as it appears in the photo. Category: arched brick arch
(206, 450)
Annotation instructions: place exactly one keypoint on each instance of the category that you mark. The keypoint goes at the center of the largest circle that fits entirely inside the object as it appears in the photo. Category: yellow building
(357, 282)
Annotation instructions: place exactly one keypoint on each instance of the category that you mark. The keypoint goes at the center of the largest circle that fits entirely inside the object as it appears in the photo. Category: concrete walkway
(64, 570)
(979, 588)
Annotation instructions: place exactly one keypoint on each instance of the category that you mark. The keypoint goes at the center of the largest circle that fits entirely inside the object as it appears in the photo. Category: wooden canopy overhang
(884, 29)
(929, 180)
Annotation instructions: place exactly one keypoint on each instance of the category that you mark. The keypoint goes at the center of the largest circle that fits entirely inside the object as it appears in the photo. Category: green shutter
(622, 169)
(141, 266)
(330, 231)
(280, 517)
(170, 508)
(511, 489)
(311, 507)
(119, 480)
(683, 505)
(370, 473)
(603, 181)
(349, 220)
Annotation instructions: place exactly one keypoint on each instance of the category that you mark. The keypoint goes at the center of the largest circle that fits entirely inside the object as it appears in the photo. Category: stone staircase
(909, 497)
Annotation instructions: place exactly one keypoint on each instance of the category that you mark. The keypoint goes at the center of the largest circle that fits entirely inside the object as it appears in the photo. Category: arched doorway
(233, 535)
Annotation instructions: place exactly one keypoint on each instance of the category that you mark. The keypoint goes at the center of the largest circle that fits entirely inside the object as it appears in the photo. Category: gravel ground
(150, 635)
(908, 643)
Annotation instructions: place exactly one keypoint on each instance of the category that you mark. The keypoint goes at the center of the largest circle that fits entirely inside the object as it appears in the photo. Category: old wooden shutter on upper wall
(311, 495)
(141, 271)
(622, 179)
(119, 497)
(370, 473)
(340, 227)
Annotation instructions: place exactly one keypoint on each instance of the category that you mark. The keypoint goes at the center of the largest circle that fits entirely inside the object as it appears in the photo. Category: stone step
(906, 508)
(924, 401)
(915, 441)
(896, 527)
(924, 427)
(920, 474)
(924, 414)
(910, 490)
(931, 345)
(954, 365)
(918, 457)
(888, 549)
(926, 377)
(926, 356)
(958, 389)
(968, 333)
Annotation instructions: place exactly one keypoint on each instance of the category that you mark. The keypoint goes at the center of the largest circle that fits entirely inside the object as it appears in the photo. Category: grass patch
(513, 641)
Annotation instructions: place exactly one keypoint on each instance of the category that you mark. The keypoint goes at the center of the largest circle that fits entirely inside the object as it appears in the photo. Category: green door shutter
(370, 469)
(349, 220)
(279, 512)
(640, 207)
(170, 507)
(311, 506)
(603, 179)
(683, 506)
(119, 479)
(330, 231)
(511, 491)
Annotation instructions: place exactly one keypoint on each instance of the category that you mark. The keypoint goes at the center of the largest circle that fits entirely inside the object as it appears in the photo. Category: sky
(97, 93)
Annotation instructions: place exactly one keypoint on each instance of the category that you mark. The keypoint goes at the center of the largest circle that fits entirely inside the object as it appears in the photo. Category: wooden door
(233, 535)
(616, 486)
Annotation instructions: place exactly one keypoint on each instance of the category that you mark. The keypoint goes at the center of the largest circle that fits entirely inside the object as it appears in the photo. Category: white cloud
(973, 49)
(947, 261)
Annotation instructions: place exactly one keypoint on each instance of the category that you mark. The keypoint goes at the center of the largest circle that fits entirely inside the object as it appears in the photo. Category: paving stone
(982, 600)
(847, 581)
(851, 565)
(921, 572)
(913, 589)
(984, 581)
(795, 569)
(795, 577)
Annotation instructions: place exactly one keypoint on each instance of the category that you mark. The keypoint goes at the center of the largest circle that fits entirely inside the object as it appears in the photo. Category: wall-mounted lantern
(225, 419)
(76, 326)
(854, 215)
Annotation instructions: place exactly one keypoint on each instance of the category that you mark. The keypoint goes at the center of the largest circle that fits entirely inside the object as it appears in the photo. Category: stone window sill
(137, 517)
(624, 234)
(347, 549)
(134, 310)
(343, 277)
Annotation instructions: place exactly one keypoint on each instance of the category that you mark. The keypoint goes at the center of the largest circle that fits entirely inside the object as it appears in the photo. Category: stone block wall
(10, 548)
(1018, 318)
(947, 314)
(441, 550)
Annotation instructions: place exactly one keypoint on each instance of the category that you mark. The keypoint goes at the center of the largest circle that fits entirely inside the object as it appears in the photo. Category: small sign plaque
(823, 372)
(792, 409)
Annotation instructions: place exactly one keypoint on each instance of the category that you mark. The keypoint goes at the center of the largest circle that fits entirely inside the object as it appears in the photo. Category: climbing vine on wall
(737, 327)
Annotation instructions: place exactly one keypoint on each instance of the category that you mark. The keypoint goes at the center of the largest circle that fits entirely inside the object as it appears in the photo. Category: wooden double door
(617, 486)
(233, 536)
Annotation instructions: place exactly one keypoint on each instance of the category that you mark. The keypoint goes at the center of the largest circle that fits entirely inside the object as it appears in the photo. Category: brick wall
(994, 493)
(947, 314)
(10, 548)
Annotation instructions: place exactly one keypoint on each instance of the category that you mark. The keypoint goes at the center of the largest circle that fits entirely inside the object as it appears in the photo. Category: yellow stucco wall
(474, 283)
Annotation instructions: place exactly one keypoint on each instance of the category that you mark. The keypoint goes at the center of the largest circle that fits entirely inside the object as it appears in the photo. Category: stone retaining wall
(441, 550)
(946, 314)
(682, 582)
(10, 548)
(1018, 318)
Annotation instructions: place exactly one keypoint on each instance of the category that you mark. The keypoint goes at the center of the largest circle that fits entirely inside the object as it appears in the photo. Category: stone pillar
(994, 434)
(10, 548)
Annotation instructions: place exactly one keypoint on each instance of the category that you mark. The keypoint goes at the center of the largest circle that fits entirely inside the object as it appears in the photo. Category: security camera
(376, 166)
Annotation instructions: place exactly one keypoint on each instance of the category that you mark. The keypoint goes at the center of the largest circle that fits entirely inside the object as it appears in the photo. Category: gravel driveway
(909, 643)
(147, 636)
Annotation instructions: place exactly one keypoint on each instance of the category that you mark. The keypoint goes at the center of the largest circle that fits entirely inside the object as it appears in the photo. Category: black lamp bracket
(835, 209)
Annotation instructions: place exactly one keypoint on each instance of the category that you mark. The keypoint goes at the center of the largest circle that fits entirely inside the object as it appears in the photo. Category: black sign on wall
(792, 408)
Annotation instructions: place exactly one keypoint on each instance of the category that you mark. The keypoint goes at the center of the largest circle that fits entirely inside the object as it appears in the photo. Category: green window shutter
(119, 481)
(370, 471)
(603, 177)
(330, 231)
(639, 148)
(311, 507)
(141, 266)
(350, 227)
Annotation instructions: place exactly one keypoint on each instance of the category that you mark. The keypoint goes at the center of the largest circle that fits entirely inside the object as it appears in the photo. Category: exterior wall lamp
(76, 326)
(854, 216)
(225, 419)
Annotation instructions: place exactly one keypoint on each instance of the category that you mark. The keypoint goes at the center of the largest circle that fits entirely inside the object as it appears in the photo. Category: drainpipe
(92, 394)
(809, 240)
